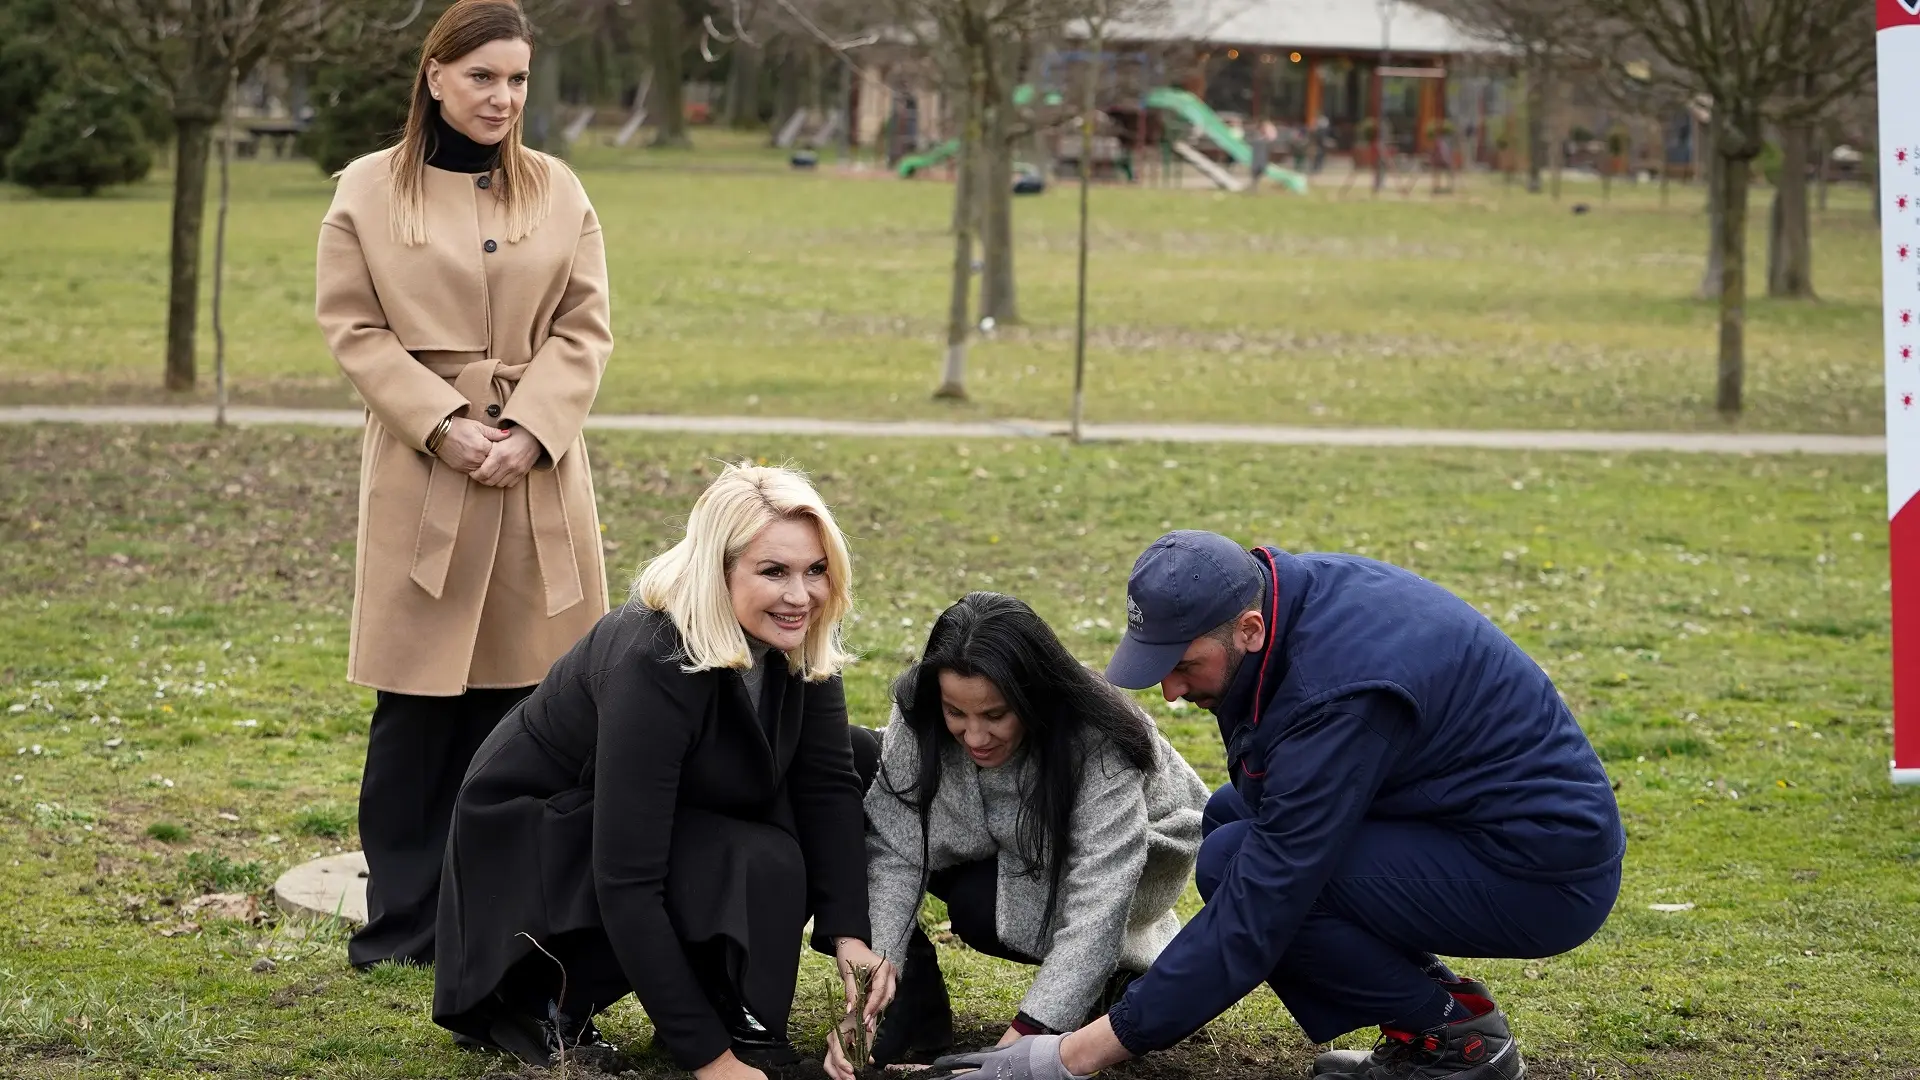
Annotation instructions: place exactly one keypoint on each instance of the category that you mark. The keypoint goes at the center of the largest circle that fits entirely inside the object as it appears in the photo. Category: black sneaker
(918, 1026)
(1391, 1053)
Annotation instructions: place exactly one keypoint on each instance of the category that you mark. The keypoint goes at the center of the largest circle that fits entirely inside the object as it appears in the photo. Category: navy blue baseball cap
(1185, 584)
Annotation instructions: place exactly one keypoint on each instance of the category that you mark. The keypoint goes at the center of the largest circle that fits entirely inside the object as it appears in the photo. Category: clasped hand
(491, 456)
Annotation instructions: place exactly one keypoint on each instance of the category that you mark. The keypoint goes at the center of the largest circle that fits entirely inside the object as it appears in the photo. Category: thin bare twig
(559, 1006)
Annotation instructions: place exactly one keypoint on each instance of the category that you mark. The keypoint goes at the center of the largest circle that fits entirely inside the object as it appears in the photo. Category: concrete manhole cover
(333, 887)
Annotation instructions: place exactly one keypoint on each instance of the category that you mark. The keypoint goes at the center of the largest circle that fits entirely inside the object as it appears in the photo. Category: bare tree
(188, 52)
(1752, 58)
(666, 39)
(1804, 148)
(964, 40)
(1542, 35)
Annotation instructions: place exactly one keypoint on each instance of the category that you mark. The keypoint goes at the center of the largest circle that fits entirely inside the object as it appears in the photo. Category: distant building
(1296, 61)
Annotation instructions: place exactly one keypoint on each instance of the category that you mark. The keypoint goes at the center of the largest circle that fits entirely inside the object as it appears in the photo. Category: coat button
(493, 410)
(484, 182)
(490, 247)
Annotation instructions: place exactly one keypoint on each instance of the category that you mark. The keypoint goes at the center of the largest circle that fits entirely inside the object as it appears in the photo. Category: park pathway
(1685, 442)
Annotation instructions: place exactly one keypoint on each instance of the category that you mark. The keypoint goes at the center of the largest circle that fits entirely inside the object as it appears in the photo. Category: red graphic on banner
(1906, 400)
(1906, 353)
(1904, 550)
(1898, 13)
(1906, 318)
(1900, 155)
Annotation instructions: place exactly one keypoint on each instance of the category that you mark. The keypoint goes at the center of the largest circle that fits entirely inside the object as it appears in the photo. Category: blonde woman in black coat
(671, 805)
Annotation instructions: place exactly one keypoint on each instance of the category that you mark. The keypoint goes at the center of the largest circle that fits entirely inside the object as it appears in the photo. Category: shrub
(83, 136)
(28, 66)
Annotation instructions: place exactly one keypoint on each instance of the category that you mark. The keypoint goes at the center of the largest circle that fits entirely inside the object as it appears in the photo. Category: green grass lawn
(742, 288)
(176, 607)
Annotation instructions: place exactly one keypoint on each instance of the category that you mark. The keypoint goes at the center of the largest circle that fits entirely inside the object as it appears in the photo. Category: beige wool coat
(458, 585)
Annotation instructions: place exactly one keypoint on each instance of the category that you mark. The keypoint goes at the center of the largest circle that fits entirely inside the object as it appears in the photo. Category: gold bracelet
(439, 435)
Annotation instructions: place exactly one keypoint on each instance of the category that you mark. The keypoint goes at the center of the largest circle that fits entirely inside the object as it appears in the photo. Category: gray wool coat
(1135, 837)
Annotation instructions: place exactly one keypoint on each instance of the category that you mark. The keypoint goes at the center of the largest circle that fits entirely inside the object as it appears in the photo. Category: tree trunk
(1709, 154)
(1792, 276)
(192, 135)
(743, 87)
(663, 46)
(1089, 99)
(1826, 156)
(812, 94)
(953, 371)
(220, 261)
(1733, 285)
(966, 175)
(542, 128)
(1536, 123)
(1557, 136)
(786, 94)
(997, 295)
(1776, 264)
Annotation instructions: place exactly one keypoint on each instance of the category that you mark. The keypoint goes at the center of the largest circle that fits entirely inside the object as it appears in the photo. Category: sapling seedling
(851, 1034)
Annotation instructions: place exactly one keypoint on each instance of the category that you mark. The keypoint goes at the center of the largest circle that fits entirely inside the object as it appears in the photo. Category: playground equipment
(1196, 114)
(1207, 122)
(1023, 96)
(913, 163)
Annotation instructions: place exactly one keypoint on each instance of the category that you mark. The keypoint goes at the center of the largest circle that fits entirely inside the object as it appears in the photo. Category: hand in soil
(728, 1067)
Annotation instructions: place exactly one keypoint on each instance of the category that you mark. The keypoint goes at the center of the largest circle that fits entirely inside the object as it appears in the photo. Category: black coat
(614, 772)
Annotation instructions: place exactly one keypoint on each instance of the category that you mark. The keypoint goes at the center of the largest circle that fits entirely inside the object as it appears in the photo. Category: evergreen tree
(84, 134)
(29, 65)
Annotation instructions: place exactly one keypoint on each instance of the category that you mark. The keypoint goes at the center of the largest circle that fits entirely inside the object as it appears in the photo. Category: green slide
(1022, 96)
(913, 164)
(1195, 112)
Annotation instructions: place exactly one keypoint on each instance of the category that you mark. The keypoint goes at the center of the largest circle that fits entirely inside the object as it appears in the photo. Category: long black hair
(1064, 710)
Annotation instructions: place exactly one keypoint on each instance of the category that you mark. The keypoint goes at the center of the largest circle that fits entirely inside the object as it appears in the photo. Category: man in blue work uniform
(1405, 782)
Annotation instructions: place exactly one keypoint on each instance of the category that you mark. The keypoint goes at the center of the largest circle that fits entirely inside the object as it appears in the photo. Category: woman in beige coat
(462, 286)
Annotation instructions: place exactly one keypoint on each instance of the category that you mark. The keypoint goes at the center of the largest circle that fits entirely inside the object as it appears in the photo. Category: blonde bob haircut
(689, 580)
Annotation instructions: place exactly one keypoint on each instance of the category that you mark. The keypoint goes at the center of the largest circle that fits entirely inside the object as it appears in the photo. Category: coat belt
(483, 383)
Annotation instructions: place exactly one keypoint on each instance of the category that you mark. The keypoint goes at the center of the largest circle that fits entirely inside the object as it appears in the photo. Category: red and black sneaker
(1391, 1050)
(1477, 1048)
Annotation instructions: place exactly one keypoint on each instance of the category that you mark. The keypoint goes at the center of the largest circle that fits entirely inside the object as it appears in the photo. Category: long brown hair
(523, 186)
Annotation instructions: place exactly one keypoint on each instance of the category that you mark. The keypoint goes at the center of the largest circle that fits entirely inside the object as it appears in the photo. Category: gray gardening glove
(1033, 1057)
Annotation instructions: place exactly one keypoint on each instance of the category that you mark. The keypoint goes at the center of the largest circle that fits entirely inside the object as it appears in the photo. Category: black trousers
(418, 750)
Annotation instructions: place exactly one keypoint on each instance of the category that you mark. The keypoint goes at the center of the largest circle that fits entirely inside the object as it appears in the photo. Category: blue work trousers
(1403, 892)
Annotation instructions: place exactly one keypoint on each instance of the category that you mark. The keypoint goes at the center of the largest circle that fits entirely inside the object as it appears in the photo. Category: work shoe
(1477, 1048)
(918, 1026)
(1391, 1054)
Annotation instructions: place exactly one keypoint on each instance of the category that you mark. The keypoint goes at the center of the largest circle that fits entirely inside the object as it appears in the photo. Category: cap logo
(1135, 618)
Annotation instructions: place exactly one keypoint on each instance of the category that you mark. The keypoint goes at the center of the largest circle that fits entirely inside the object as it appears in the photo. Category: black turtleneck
(454, 152)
